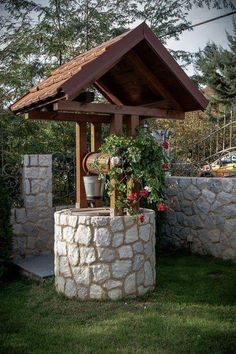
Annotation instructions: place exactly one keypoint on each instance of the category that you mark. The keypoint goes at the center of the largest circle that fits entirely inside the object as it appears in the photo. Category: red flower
(162, 207)
(141, 218)
(165, 166)
(143, 193)
(133, 197)
(165, 145)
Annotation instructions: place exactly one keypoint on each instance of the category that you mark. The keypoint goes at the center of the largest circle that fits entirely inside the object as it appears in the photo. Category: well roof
(131, 69)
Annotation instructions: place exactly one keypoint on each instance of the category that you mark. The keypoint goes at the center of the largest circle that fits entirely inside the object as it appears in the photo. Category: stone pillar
(37, 181)
(33, 224)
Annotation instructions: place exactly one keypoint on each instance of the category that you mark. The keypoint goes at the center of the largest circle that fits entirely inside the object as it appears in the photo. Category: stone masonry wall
(204, 216)
(99, 257)
(33, 225)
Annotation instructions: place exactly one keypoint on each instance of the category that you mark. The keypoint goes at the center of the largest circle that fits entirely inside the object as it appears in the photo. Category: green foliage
(5, 229)
(137, 160)
(217, 67)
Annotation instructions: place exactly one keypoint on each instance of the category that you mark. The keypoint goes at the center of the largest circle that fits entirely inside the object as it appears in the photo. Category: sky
(197, 38)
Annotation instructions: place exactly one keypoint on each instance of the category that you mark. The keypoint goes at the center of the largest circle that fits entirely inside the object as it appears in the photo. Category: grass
(192, 311)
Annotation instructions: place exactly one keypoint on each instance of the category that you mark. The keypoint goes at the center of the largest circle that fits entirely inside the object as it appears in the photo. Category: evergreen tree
(217, 67)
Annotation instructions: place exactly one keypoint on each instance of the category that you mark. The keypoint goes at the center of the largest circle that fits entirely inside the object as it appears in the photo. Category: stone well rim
(98, 212)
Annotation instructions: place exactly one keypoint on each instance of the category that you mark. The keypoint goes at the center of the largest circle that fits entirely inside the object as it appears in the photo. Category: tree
(217, 69)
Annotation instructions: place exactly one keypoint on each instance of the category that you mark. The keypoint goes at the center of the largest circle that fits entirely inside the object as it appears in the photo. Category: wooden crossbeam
(70, 117)
(72, 106)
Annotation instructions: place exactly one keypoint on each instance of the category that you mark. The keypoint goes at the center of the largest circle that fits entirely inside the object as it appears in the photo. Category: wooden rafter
(106, 93)
(72, 106)
(156, 86)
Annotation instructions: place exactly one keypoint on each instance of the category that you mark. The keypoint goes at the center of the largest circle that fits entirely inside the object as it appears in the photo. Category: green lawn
(192, 311)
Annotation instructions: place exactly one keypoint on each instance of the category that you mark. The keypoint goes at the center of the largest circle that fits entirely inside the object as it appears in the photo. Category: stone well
(103, 257)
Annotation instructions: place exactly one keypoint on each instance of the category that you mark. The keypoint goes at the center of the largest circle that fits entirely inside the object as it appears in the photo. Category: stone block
(228, 185)
(208, 195)
(68, 234)
(121, 268)
(30, 229)
(111, 284)
(70, 288)
(148, 249)
(84, 220)
(99, 221)
(142, 290)
(214, 235)
(224, 198)
(117, 224)
(30, 202)
(130, 284)
(96, 292)
(101, 273)
(144, 232)
(41, 185)
(73, 254)
(131, 234)
(140, 276)
(184, 183)
(60, 284)
(25, 160)
(229, 211)
(81, 275)
(61, 248)
(45, 160)
(82, 292)
(34, 160)
(20, 215)
(102, 237)
(115, 294)
(148, 274)
(191, 193)
(125, 252)
(83, 235)
(138, 262)
(106, 254)
(42, 200)
(65, 267)
(129, 221)
(87, 255)
(118, 239)
(26, 186)
(138, 247)
(72, 220)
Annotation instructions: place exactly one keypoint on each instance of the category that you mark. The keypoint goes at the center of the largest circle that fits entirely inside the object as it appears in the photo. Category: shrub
(5, 229)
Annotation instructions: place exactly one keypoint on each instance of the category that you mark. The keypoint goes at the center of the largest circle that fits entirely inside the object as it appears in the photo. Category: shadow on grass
(191, 311)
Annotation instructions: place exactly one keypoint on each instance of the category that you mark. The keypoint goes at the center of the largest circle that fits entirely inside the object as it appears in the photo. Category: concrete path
(38, 267)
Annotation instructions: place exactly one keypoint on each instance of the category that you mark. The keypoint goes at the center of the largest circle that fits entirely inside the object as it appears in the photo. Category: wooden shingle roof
(131, 69)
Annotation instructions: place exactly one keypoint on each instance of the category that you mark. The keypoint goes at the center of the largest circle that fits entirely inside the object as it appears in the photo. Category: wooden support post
(132, 124)
(81, 151)
(116, 128)
(96, 132)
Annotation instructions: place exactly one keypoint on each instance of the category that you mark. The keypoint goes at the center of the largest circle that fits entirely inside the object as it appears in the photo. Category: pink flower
(133, 197)
(141, 218)
(143, 193)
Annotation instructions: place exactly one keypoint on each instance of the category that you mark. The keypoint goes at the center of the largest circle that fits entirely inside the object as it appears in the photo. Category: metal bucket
(94, 187)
